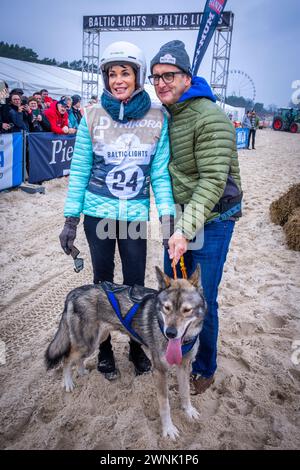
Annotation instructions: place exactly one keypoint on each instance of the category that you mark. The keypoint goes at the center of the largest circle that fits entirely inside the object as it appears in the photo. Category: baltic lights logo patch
(216, 5)
(167, 59)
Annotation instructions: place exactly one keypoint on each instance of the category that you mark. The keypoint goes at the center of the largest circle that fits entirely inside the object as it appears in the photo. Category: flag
(210, 19)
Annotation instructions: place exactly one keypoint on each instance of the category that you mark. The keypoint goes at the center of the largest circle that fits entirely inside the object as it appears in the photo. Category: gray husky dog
(166, 322)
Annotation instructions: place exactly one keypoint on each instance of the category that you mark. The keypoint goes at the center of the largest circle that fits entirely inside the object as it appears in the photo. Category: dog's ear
(163, 280)
(195, 278)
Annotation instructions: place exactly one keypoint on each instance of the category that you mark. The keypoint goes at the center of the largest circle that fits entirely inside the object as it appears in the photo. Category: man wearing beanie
(206, 186)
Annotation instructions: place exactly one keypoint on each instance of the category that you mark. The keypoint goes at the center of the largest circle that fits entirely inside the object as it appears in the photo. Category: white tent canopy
(234, 113)
(32, 77)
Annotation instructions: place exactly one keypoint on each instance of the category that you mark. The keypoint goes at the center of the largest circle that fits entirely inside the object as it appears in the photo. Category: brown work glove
(68, 234)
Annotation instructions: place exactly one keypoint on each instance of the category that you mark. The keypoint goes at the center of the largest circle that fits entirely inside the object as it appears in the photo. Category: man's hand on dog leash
(68, 234)
(178, 245)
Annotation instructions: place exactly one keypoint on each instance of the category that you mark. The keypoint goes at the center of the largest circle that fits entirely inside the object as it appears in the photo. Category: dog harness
(111, 290)
(137, 298)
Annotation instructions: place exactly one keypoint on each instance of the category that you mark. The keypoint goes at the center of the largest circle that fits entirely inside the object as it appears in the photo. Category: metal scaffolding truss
(221, 59)
(91, 49)
(90, 63)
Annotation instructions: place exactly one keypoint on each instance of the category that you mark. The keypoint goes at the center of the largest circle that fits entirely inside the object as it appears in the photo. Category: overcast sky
(265, 42)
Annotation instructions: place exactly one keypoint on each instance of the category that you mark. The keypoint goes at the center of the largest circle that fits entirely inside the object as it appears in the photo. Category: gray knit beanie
(173, 53)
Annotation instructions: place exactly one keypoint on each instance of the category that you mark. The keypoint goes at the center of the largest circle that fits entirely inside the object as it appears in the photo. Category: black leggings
(132, 243)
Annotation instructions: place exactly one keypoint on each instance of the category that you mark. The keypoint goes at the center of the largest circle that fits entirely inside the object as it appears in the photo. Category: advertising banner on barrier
(50, 155)
(11, 160)
(210, 19)
(242, 136)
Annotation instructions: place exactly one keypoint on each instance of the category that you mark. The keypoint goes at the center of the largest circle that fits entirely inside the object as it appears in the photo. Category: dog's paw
(171, 431)
(192, 413)
(69, 385)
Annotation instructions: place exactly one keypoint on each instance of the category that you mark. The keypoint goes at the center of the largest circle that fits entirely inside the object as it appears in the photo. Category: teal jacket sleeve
(72, 121)
(160, 177)
(81, 166)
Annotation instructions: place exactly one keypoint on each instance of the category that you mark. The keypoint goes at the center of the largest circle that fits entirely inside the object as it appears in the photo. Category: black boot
(106, 361)
(140, 361)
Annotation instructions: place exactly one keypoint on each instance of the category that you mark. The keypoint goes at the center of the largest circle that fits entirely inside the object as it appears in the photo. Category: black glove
(68, 234)
(167, 228)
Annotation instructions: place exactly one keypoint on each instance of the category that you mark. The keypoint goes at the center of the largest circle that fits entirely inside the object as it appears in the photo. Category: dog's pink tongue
(173, 353)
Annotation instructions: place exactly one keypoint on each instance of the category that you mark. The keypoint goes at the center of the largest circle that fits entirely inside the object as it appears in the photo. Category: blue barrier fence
(242, 136)
(11, 160)
(50, 156)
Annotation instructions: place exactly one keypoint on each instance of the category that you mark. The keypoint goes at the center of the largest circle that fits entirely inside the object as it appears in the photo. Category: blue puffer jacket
(81, 200)
(74, 116)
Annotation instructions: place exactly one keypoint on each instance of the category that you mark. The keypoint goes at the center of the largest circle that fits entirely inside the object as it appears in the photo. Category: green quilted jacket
(204, 165)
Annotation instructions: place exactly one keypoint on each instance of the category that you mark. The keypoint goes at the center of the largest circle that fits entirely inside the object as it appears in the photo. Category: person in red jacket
(58, 117)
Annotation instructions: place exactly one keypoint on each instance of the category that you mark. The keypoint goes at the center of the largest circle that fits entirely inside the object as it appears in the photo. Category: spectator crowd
(39, 112)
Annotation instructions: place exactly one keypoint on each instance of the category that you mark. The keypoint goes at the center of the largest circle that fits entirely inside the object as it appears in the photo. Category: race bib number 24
(125, 185)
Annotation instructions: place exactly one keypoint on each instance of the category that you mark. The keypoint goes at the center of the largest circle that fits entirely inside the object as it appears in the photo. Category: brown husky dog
(167, 323)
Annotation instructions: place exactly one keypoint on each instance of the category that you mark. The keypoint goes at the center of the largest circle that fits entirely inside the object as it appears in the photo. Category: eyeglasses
(167, 77)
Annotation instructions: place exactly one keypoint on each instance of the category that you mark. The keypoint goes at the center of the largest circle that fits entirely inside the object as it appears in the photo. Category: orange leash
(174, 269)
(182, 267)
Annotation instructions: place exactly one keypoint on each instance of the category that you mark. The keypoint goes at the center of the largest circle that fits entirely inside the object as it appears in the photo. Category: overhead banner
(209, 22)
(149, 22)
(11, 160)
(50, 155)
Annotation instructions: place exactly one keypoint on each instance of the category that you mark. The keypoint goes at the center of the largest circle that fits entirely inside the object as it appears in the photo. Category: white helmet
(122, 52)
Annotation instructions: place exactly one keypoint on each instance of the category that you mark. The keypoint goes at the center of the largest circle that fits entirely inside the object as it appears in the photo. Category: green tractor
(287, 119)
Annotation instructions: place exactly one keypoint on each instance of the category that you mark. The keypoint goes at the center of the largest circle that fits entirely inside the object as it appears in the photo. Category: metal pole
(90, 63)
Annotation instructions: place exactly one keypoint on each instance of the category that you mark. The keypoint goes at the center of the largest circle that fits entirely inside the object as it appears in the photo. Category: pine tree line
(14, 51)
(241, 102)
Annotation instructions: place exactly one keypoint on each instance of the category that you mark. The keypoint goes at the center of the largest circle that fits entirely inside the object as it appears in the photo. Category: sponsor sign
(209, 22)
(11, 160)
(242, 136)
(150, 22)
(49, 155)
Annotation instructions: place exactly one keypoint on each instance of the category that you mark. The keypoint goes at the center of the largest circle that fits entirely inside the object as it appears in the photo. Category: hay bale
(281, 209)
(292, 230)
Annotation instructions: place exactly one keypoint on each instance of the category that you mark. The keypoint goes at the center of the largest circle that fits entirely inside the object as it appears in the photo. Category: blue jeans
(211, 257)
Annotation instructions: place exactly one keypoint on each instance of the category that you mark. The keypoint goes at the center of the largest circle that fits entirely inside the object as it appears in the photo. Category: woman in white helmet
(121, 147)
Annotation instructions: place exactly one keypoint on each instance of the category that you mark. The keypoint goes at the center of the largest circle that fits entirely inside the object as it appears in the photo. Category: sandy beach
(254, 402)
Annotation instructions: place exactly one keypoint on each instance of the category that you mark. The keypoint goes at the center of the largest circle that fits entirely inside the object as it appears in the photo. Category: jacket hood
(199, 89)
(53, 109)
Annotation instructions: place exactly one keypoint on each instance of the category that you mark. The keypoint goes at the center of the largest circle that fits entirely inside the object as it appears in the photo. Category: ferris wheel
(240, 84)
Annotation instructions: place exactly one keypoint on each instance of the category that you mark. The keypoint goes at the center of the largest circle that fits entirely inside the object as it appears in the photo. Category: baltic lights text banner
(161, 21)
